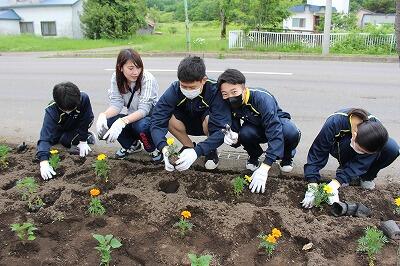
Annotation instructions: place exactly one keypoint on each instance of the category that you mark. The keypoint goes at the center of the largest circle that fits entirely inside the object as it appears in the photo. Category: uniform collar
(246, 96)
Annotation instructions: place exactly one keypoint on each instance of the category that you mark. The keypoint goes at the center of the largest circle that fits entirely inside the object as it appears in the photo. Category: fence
(238, 39)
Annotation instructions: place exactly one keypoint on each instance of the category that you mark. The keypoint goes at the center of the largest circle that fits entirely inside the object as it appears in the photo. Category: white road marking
(216, 71)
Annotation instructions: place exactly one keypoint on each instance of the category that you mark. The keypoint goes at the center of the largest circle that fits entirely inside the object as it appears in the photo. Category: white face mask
(352, 144)
(191, 94)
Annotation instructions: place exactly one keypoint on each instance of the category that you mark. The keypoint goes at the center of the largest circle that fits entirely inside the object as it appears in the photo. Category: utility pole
(327, 28)
(187, 27)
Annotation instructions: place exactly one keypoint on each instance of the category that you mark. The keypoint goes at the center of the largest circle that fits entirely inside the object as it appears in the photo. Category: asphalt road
(308, 90)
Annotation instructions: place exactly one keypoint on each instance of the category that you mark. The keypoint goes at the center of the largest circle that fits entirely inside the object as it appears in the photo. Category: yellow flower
(101, 157)
(328, 189)
(54, 151)
(276, 233)
(397, 202)
(170, 141)
(186, 214)
(270, 238)
(94, 192)
(247, 178)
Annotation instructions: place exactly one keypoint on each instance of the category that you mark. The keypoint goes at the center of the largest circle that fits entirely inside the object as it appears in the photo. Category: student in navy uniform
(67, 120)
(136, 89)
(191, 106)
(263, 121)
(359, 142)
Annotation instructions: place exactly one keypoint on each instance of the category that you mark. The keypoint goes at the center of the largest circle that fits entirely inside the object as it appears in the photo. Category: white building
(304, 18)
(59, 18)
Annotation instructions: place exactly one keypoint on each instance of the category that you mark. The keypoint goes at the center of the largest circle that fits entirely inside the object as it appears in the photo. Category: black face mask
(236, 101)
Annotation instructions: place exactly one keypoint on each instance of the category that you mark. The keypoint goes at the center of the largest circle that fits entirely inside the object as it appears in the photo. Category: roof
(313, 8)
(9, 14)
(40, 3)
(379, 15)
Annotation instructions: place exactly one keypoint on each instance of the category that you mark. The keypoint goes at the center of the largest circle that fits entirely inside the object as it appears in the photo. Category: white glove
(167, 165)
(46, 171)
(334, 184)
(186, 159)
(84, 148)
(259, 178)
(309, 198)
(116, 129)
(231, 137)
(101, 125)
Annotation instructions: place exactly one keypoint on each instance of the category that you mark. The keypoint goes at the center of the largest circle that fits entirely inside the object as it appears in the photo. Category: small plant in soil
(397, 204)
(101, 167)
(184, 225)
(173, 153)
(105, 246)
(371, 243)
(4, 150)
(269, 241)
(54, 159)
(239, 183)
(203, 260)
(24, 231)
(96, 208)
(28, 188)
(322, 194)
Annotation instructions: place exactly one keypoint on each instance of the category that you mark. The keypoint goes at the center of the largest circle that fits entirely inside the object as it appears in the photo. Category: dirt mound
(143, 202)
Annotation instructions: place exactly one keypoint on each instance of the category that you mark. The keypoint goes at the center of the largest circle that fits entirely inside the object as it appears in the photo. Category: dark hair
(124, 56)
(371, 135)
(191, 68)
(67, 96)
(231, 76)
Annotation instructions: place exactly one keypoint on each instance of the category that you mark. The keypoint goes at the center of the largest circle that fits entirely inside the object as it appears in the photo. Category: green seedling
(203, 260)
(101, 167)
(239, 183)
(24, 231)
(4, 150)
(322, 194)
(105, 246)
(28, 188)
(371, 243)
(96, 208)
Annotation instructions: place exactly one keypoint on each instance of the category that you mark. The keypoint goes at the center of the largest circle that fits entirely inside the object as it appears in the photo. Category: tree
(112, 19)
(381, 6)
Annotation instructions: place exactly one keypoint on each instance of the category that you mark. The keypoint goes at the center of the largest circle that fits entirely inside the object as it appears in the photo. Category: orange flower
(186, 214)
(94, 192)
(276, 233)
(270, 238)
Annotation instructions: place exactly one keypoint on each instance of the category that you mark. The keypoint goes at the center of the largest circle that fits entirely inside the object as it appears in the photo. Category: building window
(26, 27)
(48, 28)
(298, 22)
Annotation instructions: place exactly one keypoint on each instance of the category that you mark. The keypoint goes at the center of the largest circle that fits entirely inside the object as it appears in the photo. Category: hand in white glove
(116, 129)
(231, 137)
(309, 198)
(84, 148)
(101, 125)
(334, 185)
(186, 159)
(259, 178)
(167, 165)
(46, 171)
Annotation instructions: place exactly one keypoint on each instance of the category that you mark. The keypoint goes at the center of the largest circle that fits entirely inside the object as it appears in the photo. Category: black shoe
(122, 153)
(156, 156)
(212, 160)
(252, 164)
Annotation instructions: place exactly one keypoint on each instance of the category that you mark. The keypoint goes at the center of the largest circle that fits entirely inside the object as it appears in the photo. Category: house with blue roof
(60, 18)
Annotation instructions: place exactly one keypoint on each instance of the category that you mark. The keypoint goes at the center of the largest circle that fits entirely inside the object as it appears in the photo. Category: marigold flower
(397, 202)
(186, 214)
(170, 141)
(101, 157)
(328, 189)
(94, 192)
(276, 233)
(53, 151)
(247, 178)
(270, 238)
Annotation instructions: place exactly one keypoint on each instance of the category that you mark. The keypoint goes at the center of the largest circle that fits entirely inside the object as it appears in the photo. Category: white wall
(9, 27)
(62, 15)
(77, 11)
(342, 6)
(287, 24)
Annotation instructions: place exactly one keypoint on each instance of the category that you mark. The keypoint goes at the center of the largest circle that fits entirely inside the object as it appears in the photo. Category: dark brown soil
(144, 201)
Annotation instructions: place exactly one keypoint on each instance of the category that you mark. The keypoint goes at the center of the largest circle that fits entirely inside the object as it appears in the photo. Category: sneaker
(122, 153)
(91, 138)
(369, 185)
(286, 167)
(212, 160)
(156, 156)
(252, 164)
